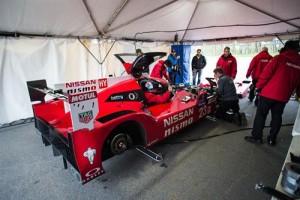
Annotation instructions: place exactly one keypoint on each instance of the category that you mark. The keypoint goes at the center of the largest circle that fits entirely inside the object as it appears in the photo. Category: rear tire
(120, 143)
(122, 138)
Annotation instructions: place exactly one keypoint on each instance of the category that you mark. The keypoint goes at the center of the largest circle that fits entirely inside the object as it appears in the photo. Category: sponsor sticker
(131, 96)
(82, 97)
(92, 172)
(85, 117)
(117, 97)
(102, 83)
(90, 154)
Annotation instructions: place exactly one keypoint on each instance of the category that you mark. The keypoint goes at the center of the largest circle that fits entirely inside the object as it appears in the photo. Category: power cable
(17, 122)
(221, 26)
(213, 136)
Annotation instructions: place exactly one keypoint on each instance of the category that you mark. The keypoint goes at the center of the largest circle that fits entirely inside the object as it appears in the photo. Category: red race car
(90, 121)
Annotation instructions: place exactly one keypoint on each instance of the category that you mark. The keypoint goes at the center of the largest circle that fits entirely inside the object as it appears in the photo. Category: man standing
(198, 63)
(160, 69)
(276, 84)
(229, 98)
(228, 63)
(258, 63)
(175, 65)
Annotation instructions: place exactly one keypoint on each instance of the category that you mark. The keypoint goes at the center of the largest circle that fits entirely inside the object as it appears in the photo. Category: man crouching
(229, 102)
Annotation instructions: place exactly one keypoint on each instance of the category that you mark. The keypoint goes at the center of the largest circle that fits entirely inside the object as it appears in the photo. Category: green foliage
(241, 49)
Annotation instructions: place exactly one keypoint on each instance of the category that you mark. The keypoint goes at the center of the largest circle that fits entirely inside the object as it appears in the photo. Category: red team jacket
(157, 98)
(159, 70)
(281, 76)
(228, 65)
(258, 63)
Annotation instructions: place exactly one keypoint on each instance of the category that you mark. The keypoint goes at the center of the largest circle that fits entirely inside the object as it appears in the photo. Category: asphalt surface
(208, 160)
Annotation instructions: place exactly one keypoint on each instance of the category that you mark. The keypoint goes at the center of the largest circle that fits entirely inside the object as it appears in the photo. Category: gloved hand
(257, 90)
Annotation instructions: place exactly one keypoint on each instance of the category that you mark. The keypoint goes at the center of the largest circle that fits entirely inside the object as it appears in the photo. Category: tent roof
(192, 20)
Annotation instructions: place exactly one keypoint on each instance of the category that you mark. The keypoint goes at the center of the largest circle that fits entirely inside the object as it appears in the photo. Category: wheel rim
(119, 144)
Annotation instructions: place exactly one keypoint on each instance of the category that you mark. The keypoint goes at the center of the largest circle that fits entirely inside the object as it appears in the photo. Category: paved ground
(209, 160)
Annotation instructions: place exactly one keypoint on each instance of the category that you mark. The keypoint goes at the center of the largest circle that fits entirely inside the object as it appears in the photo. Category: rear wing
(83, 108)
(38, 90)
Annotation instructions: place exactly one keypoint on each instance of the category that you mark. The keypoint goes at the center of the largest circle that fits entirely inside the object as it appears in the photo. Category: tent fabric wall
(25, 59)
(58, 61)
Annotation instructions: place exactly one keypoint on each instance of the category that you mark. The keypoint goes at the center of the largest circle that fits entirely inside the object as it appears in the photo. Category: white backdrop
(56, 60)
(25, 59)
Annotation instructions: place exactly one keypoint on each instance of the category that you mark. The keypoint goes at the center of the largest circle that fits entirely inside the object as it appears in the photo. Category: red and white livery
(90, 121)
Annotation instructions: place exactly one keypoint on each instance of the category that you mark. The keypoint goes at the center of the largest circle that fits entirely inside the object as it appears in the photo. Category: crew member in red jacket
(160, 69)
(153, 98)
(257, 65)
(228, 63)
(276, 84)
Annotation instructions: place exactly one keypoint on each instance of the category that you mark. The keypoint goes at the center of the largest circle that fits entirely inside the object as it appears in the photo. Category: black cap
(292, 45)
(168, 63)
(173, 50)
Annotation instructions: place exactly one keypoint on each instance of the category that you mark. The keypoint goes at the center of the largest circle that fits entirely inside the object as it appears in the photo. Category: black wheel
(122, 138)
(120, 143)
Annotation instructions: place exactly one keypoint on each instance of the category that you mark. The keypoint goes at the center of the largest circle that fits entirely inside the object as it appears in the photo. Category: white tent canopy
(43, 39)
(193, 20)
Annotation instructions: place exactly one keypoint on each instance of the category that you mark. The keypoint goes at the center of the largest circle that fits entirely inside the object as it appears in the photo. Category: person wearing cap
(280, 78)
(160, 69)
(228, 63)
(153, 98)
(139, 52)
(175, 64)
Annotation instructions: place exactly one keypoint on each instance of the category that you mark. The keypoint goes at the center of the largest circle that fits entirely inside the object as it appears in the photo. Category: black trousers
(225, 106)
(251, 93)
(172, 78)
(264, 106)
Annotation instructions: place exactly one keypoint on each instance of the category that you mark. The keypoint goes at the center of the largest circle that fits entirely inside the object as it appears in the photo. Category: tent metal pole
(190, 20)
(279, 39)
(115, 15)
(89, 51)
(93, 54)
(92, 18)
(271, 15)
(141, 16)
